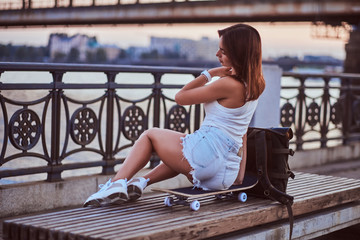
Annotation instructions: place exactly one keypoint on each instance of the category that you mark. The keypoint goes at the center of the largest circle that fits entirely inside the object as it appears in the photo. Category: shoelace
(139, 179)
(106, 185)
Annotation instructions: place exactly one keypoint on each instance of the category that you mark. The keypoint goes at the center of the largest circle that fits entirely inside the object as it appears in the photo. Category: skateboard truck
(241, 196)
(181, 200)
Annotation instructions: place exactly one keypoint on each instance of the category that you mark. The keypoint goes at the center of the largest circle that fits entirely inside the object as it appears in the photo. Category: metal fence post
(299, 132)
(346, 89)
(55, 174)
(109, 159)
(157, 97)
(197, 117)
(155, 160)
(324, 127)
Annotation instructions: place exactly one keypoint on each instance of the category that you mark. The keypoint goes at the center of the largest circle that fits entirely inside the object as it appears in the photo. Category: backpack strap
(282, 175)
(283, 131)
(269, 190)
(291, 218)
(287, 151)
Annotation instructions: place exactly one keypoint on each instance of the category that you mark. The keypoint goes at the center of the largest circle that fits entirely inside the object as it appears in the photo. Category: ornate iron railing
(56, 126)
(322, 109)
(58, 119)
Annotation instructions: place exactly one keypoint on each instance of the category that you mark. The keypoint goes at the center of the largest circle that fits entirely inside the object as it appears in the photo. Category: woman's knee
(151, 133)
(161, 133)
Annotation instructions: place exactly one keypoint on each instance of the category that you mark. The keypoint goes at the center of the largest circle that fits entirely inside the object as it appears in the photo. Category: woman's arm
(241, 174)
(197, 91)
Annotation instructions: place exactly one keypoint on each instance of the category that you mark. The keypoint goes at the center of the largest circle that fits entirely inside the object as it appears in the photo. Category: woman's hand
(238, 182)
(197, 91)
(220, 71)
(243, 154)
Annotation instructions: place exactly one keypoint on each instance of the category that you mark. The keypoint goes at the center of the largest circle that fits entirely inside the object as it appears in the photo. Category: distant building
(112, 52)
(136, 53)
(82, 48)
(204, 49)
(60, 43)
(321, 59)
(179, 46)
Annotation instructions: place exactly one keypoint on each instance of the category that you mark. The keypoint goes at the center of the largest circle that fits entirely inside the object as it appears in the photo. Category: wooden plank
(47, 219)
(323, 189)
(77, 211)
(311, 204)
(200, 226)
(320, 188)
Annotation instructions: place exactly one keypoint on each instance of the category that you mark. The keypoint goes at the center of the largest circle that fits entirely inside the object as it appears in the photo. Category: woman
(212, 158)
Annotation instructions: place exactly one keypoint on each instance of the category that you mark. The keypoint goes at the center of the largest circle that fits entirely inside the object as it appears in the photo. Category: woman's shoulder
(231, 82)
(235, 92)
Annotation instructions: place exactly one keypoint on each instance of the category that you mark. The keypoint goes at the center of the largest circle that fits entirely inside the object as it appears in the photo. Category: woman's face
(222, 55)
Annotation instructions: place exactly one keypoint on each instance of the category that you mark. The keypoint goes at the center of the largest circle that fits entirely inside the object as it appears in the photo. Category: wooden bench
(322, 204)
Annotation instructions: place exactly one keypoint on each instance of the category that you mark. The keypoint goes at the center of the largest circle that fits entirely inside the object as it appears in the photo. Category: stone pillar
(352, 97)
(267, 113)
(352, 49)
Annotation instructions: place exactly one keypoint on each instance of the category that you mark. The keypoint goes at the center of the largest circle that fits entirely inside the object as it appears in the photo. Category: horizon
(278, 39)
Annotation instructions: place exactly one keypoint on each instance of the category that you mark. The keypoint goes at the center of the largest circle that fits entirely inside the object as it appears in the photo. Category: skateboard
(181, 196)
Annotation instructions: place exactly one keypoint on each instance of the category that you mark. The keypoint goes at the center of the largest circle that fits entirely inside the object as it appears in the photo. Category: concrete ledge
(318, 157)
(18, 199)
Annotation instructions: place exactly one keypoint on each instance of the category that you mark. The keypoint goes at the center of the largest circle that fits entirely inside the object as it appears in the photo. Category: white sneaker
(136, 186)
(110, 192)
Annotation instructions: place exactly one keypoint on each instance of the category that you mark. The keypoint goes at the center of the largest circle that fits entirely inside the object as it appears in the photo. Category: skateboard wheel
(195, 205)
(168, 201)
(242, 197)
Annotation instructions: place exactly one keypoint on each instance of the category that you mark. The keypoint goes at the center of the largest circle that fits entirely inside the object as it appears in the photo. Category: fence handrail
(70, 67)
(354, 76)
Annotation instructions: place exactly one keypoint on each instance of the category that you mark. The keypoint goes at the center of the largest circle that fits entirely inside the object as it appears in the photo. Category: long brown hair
(243, 47)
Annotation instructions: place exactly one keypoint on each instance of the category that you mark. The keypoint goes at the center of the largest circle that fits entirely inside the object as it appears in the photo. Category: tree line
(23, 53)
(14, 53)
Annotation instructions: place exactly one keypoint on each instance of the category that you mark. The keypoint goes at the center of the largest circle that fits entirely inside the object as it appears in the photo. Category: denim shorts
(213, 156)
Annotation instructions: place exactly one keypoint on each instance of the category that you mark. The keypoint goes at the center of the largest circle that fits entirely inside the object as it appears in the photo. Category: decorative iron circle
(177, 119)
(356, 112)
(134, 122)
(287, 115)
(25, 129)
(313, 114)
(336, 113)
(83, 126)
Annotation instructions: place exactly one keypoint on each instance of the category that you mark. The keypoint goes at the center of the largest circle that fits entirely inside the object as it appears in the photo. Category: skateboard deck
(182, 194)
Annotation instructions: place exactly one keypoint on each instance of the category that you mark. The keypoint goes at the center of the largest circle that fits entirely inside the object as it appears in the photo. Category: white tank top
(233, 121)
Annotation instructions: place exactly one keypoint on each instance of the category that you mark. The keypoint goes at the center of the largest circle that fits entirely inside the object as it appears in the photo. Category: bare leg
(167, 145)
(160, 173)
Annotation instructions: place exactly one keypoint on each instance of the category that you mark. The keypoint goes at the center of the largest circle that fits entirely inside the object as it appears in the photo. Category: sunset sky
(292, 39)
